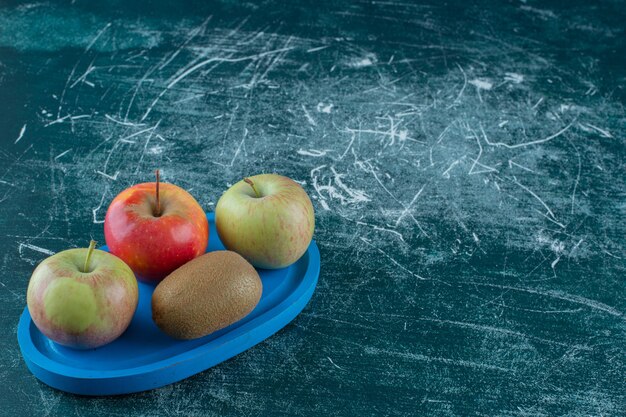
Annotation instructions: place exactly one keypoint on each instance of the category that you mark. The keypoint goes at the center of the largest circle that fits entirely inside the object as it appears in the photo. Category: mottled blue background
(466, 164)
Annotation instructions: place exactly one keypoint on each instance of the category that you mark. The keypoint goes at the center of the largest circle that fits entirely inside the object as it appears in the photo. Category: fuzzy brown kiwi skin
(206, 294)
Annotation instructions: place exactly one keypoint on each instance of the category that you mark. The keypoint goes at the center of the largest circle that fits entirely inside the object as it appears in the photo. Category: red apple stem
(251, 184)
(158, 201)
(92, 246)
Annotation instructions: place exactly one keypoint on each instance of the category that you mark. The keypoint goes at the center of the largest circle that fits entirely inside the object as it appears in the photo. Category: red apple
(155, 228)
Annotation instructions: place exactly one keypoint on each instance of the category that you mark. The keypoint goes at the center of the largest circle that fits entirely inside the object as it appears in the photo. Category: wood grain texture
(466, 164)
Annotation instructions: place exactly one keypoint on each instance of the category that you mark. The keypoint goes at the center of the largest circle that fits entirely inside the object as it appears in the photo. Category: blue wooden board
(144, 358)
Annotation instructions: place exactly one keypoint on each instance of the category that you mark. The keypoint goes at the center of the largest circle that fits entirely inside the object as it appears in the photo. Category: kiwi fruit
(206, 294)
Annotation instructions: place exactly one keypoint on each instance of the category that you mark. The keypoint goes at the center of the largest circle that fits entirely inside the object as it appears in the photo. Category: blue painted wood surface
(145, 358)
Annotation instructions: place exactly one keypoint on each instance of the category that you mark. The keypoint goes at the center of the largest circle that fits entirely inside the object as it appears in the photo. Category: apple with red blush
(82, 298)
(268, 219)
(155, 228)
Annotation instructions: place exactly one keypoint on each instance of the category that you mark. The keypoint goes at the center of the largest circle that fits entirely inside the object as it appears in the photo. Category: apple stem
(158, 201)
(92, 245)
(251, 184)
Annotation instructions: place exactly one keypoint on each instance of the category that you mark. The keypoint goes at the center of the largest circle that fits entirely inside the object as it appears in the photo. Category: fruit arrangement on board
(158, 233)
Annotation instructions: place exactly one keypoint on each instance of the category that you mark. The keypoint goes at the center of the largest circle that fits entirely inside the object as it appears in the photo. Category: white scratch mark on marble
(481, 84)
(533, 142)
(317, 187)
(125, 138)
(577, 181)
(83, 77)
(446, 173)
(308, 116)
(513, 163)
(21, 134)
(356, 196)
(204, 63)
(111, 177)
(382, 229)
(119, 122)
(476, 160)
(559, 295)
(491, 329)
(93, 41)
(513, 77)
(543, 203)
(603, 132)
(410, 205)
(95, 210)
(319, 48)
(458, 97)
(156, 150)
(537, 103)
(312, 152)
(575, 247)
(544, 14)
(430, 359)
(350, 143)
(366, 61)
(324, 108)
(334, 364)
(35, 248)
(58, 120)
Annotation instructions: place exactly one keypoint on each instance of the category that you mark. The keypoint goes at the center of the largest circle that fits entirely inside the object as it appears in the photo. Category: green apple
(268, 219)
(82, 298)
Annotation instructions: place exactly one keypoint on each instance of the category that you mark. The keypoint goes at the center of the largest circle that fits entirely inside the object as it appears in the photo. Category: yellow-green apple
(268, 219)
(82, 298)
(155, 228)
